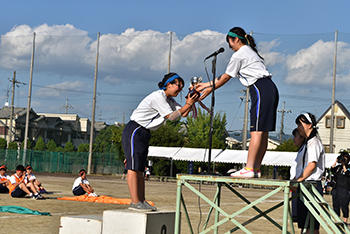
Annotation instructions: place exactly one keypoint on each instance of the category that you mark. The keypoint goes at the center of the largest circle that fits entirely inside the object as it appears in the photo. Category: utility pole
(67, 106)
(245, 122)
(92, 128)
(331, 136)
(14, 83)
(28, 104)
(283, 111)
(170, 44)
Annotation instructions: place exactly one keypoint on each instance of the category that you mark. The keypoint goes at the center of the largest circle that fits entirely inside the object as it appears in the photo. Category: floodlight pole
(92, 127)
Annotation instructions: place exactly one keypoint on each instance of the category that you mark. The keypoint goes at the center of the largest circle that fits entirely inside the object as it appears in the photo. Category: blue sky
(295, 37)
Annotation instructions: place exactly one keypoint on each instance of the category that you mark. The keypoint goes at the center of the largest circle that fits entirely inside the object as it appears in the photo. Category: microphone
(215, 53)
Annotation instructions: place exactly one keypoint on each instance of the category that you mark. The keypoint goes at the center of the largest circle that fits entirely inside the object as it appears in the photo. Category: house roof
(5, 112)
(341, 106)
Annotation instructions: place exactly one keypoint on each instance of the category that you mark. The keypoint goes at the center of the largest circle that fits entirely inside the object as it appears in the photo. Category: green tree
(60, 149)
(287, 145)
(13, 146)
(69, 147)
(83, 148)
(40, 144)
(29, 144)
(51, 146)
(109, 139)
(198, 131)
(169, 134)
(3, 143)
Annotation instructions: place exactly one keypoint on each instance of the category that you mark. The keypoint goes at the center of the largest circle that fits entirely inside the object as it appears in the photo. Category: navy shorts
(302, 210)
(78, 191)
(263, 109)
(135, 141)
(3, 189)
(18, 192)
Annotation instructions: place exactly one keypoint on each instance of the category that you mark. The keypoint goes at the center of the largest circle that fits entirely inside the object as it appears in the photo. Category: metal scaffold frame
(308, 194)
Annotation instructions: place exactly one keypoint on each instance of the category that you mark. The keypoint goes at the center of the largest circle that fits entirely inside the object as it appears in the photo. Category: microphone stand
(211, 114)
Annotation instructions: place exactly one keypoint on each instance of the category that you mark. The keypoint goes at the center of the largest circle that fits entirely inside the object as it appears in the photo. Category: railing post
(178, 207)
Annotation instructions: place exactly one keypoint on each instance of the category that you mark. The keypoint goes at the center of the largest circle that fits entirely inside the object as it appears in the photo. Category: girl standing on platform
(150, 115)
(249, 67)
(310, 165)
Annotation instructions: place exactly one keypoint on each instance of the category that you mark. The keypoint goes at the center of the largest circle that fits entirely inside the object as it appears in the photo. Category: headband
(3, 167)
(28, 167)
(307, 116)
(232, 34)
(169, 80)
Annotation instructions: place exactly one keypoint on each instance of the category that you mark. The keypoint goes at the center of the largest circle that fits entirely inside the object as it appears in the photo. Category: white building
(341, 137)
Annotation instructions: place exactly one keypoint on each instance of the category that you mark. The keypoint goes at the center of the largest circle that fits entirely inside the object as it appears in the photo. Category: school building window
(340, 120)
(3, 130)
(328, 121)
(327, 148)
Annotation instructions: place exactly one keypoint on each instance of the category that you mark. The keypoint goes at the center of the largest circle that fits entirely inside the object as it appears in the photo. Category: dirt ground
(163, 194)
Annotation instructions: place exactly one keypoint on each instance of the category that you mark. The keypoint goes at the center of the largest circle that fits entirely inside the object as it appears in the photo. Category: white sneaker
(257, 174)
(244, 173)
(93, 195)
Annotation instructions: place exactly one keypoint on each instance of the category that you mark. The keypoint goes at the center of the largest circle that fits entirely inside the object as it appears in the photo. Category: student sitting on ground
(31, 178)
(82, 186)
(4, 178)
(17, 187)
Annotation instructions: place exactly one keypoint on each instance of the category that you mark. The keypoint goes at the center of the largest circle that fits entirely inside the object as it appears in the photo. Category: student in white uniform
(310, 163)
(30, 178)
(299, 141)
(249, 67)
(82, 186)
(4, 179)
(150, 114)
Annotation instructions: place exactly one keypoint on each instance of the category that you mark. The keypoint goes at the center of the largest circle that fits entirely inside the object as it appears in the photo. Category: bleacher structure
(307, 193)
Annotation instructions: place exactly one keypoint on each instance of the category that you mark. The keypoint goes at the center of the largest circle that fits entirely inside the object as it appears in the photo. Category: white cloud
(271, 57)
(314, 65)
(66, 50)
(56, 90)
(59, 49)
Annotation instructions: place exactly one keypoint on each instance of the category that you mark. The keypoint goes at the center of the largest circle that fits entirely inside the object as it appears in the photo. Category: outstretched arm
(206, 88)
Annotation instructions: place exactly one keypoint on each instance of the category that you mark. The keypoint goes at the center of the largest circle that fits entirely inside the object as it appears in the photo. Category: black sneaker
(153, 208)
(140, 206)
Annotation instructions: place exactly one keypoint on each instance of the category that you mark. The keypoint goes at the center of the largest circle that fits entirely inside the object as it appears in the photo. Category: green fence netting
(63, 162)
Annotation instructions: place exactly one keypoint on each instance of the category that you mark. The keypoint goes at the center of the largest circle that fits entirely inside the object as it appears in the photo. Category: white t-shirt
(246, 64)
(29, 177)
(296, 168)
(13, 179)
(314, 153)
(151, 111)
(79, 181)
(4, 177)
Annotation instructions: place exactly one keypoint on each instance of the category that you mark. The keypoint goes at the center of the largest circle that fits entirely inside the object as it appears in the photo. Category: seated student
(4, 178)
(81, 185)
(31, 178)
(17, 187)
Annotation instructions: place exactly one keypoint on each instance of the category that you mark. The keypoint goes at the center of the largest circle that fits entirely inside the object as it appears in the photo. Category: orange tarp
(100, 199)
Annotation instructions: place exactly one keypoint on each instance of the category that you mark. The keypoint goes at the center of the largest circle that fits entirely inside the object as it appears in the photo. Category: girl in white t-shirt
(150, 114)
(82, 186)
(247, 65)
(310, 162)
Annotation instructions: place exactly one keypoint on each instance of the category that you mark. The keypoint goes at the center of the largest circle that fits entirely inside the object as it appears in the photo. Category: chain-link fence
(63, 162)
